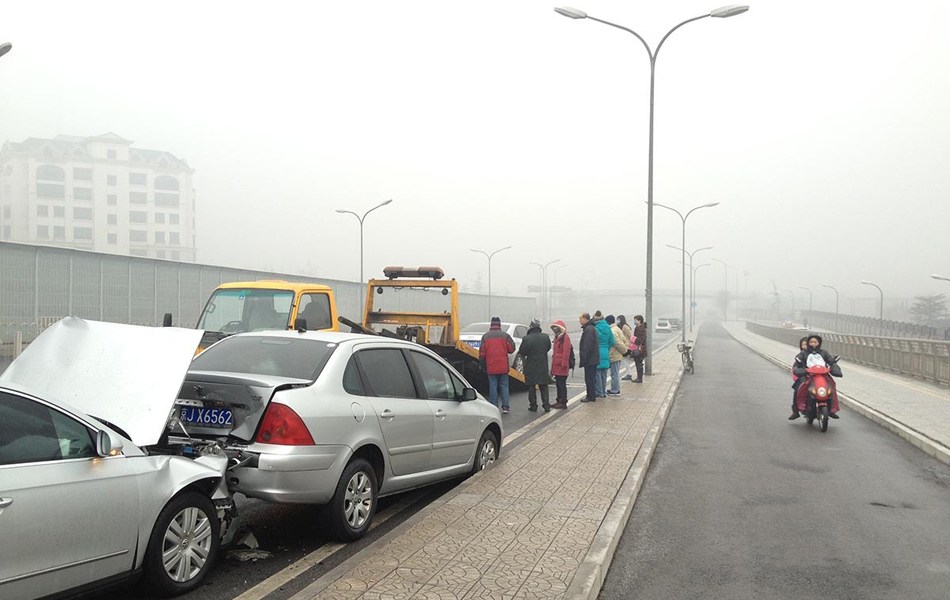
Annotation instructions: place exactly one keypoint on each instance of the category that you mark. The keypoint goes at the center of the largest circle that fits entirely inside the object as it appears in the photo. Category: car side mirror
(469, 394)
(167, 320)
(300, 324)
(108, 444)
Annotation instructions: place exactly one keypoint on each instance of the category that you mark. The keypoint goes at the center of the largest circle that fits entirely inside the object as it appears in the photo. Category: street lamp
(725, 283)
(692, 316)
(940, 277)
(5, 47)
(880, 291)
(683, 269)
(551, 291)
(831, 287)
(721, 13)
(544, 282)
(361, 219)
(809, 296)
(489, 257)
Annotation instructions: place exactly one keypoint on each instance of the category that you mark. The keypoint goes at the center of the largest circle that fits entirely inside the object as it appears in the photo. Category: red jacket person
(493, 356)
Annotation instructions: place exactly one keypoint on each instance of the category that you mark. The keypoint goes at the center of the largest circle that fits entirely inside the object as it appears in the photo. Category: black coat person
(590, 346)
(534, 348)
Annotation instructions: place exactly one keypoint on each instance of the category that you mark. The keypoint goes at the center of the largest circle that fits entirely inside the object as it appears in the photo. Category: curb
(916, 438)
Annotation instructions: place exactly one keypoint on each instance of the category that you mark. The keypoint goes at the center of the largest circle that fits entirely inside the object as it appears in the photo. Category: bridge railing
(876, 327)
(927, 359)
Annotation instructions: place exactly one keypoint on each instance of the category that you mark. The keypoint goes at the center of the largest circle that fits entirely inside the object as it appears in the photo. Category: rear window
(261, 355)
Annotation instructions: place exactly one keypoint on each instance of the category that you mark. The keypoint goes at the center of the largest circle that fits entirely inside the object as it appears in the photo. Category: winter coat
(590, 352)
(627, 334)
(605, 340)
(620, 344)
(560, 360)
(494, 351)
(534, 349)
(640, 334)
(801, 361)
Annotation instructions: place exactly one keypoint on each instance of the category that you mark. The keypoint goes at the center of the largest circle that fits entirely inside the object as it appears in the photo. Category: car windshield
(242, 310)
(260, 355)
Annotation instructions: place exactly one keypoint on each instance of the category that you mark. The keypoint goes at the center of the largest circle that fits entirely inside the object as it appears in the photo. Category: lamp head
(866, 282)
(710, 205)
(386, 202)
(569, 12)
(730, 10)
(5, 47)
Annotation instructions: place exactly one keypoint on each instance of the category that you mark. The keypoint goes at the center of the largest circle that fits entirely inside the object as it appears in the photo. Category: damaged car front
(93, 490)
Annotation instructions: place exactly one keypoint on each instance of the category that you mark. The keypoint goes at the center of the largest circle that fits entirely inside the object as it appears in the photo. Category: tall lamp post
(835, 290)
(725, 282)
(723, 12)
(692, 272)
(801, 287)
(5, 47)
(544, 282)
(489, 257)
(683, 269)
(551, 292)
(880, 291)
(361, 219)
(693, 290)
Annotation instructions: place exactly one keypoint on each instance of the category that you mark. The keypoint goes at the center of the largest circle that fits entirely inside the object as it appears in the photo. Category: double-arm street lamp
(691, 282)
(725, 283)
(724, 12)
(361, 219)
(544, 282)
(809, 296)
(489, 257)
(880, 291)
(5, 47)
(835, 290)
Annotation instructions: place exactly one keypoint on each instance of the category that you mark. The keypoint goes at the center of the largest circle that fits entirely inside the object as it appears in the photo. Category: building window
(113, 219)
(137, 178)
(50, 173)
(82, 233)
(173, 219)
(59, 232)
(173, 238)
(159, 254)
(110, 154)
(113, 239)
(166, 199)
(82, 193)
(136, 235)
(165, 182)
(112, 200)
(138, 217)
(82, 214)
(159, 217)
(42, 232)
(59, 212)
(83, 174)
(50, 190)
(111, 179)
(137, 198)
(176, 255)
(159, 237)
(42, 210)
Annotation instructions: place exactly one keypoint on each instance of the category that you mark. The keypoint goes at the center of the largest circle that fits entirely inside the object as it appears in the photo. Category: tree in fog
(928, 309)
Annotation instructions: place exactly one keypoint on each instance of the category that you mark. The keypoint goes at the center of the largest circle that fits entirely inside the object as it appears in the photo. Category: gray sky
(821, 126)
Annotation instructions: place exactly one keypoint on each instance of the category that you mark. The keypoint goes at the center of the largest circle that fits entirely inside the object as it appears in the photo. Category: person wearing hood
(562, 361)
(605, 341)
(799, 368)
(590, 356)
(617, 351)
(534, 348)
(493, 357)
(797, 381)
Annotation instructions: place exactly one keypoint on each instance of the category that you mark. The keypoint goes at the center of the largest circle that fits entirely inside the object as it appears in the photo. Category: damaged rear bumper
(287, 474)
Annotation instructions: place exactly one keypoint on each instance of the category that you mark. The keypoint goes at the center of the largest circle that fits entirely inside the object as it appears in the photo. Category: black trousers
(638, 360)
(590, 378)
(560, 381)
(795, 386)
(533, 397)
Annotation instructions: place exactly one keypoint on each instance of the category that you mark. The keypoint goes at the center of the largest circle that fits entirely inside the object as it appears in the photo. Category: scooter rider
(814, 347)
(797, 381)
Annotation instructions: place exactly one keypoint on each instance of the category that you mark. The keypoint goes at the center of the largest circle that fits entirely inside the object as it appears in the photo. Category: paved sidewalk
(918, 405)
(522, 528)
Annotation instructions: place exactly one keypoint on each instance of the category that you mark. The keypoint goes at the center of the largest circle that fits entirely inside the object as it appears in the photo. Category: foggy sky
(821, 126)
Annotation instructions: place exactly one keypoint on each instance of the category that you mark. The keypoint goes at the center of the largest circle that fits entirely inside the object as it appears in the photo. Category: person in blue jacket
(605, 339)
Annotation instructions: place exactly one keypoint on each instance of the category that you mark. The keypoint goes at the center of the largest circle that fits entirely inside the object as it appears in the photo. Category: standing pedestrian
(617, 352)
(605, 340)
(562, 361)
(493, 357)
(640, 345)
(627, 337)
(534, 348)
(590, 356)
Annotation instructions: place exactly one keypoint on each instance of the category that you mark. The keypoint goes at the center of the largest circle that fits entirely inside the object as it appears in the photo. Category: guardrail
(874, 327)
(927, 359)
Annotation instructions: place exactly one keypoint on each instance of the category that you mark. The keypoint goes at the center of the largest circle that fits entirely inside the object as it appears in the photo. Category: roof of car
(324, 336)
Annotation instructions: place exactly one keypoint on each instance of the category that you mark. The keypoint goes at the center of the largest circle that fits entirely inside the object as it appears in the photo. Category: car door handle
(5, 502)
(387, 414)
(440, 413)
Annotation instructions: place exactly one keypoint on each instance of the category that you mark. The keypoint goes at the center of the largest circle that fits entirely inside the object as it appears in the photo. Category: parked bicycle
(686, 349)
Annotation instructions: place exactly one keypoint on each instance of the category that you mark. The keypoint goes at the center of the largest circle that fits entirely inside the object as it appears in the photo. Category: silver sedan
(335, 419)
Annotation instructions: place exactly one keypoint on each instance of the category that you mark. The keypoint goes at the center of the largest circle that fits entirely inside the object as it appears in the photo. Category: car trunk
(216, 405)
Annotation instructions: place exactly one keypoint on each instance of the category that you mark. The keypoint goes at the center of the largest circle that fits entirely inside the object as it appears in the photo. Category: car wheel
(486, 453)
(183, 545)
(353, 505)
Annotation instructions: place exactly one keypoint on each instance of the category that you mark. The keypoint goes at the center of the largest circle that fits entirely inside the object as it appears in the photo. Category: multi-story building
(97, 193)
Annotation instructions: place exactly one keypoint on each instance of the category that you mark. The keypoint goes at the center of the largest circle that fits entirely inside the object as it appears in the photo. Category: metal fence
(927, 359)
(40, 285)
(870, 326)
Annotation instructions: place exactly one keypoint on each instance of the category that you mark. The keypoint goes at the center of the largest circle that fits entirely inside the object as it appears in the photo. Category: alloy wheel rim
(186, 544)
(487, 455)
(358, 500)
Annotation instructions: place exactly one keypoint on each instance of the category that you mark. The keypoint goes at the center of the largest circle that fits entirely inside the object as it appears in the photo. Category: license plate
(475, 344)
(207, 417)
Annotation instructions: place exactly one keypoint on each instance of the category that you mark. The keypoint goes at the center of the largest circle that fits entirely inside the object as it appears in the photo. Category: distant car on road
(675, 323)
(663, 326)
(472, 335)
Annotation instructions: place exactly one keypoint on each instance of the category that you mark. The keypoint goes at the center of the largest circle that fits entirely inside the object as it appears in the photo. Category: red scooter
(818, 396)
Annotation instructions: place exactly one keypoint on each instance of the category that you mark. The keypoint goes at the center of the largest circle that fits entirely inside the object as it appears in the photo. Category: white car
(663, 326)
(472, 335)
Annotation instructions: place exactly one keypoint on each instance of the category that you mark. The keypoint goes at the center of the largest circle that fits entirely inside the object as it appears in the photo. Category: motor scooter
(818, 395)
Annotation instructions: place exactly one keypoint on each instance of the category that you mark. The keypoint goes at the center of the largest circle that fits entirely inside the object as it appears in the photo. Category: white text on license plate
(211, 417)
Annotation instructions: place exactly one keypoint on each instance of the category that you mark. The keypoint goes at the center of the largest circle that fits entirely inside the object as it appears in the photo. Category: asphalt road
(291, 533)
(741, 503)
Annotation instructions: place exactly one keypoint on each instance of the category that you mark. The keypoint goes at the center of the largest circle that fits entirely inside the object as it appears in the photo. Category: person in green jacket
(534, 348)
(605, 339)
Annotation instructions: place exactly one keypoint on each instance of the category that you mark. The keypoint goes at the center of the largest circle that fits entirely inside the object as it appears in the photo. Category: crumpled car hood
(124, 374)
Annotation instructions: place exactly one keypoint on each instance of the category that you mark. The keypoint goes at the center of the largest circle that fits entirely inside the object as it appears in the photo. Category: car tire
(357, 488)
(486, 452)
(192, 520)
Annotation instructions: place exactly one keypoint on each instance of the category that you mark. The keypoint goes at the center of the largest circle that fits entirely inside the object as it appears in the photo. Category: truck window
(315, 308)
(241, 310)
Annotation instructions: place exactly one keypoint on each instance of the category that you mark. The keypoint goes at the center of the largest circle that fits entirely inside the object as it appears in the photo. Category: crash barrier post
(927, 359)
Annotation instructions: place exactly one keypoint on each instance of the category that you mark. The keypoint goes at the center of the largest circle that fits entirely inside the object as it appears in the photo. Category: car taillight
(281, 425)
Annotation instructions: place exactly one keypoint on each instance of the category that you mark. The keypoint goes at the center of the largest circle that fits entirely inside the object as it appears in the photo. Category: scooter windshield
(815, 360)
